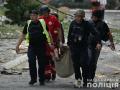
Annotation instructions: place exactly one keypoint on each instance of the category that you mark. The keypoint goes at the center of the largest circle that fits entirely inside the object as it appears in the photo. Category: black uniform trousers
(39, 54)
(93, 54)
(80, 60)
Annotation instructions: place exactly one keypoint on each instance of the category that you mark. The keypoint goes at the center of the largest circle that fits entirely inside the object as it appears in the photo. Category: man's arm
(69, 35)
(62, 33)
(110, 37)
(57, 28)
(112, 46)
(22, 37)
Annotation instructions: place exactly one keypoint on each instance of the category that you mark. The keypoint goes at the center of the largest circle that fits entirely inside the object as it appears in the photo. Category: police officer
(105, 35)
(78, 43)
(36, 36)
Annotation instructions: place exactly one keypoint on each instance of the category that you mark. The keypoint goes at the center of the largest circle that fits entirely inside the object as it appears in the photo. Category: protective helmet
(44, 9)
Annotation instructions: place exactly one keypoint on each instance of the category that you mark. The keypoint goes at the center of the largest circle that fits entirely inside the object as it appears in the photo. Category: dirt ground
(108, 68)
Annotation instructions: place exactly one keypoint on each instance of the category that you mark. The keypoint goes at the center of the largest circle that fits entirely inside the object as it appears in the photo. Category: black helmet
(44, 9)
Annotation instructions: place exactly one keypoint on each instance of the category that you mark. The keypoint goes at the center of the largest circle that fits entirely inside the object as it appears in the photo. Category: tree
(17, 10)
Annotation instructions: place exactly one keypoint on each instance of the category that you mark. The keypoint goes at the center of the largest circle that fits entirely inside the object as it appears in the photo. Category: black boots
(32, 82)
(42, 83)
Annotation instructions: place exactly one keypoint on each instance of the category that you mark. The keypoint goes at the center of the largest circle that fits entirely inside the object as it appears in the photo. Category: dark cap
(96, 3)
(98, 13)
(34, 12)
(80, 12)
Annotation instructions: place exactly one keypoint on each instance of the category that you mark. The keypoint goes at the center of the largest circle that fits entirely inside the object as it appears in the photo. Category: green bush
(18, 10)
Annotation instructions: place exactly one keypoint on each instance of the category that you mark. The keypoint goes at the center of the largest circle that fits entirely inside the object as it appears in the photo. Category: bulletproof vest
(35, 34)
(78, 32)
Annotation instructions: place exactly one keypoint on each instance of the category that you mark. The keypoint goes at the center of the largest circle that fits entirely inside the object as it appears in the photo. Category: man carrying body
(105, 35)
(53, 25)
(36, 36)
(79, 31)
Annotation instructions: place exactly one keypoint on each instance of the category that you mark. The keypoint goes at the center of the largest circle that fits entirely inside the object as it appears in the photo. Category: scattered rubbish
(11, 72)
(101, 58)
(1, 61)
(116, 73)
(25, 69)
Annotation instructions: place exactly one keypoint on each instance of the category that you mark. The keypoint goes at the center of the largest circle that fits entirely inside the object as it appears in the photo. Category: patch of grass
(115, 30)
(116, 35)
(10, 31)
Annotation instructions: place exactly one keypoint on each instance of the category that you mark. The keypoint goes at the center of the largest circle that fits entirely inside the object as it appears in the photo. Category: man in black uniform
(79, 31)
(36, 49)
(105, 35)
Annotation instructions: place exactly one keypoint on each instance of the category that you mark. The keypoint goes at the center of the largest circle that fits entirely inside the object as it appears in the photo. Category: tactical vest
(44, 31)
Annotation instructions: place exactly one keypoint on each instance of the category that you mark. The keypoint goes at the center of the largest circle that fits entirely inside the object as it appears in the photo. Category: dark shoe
(53, 77)
(32, 82)
(42, 83)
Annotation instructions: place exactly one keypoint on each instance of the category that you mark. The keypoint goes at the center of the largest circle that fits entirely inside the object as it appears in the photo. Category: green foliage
(18, 10)
(66, 24)
(2, 11)
(116, 35)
